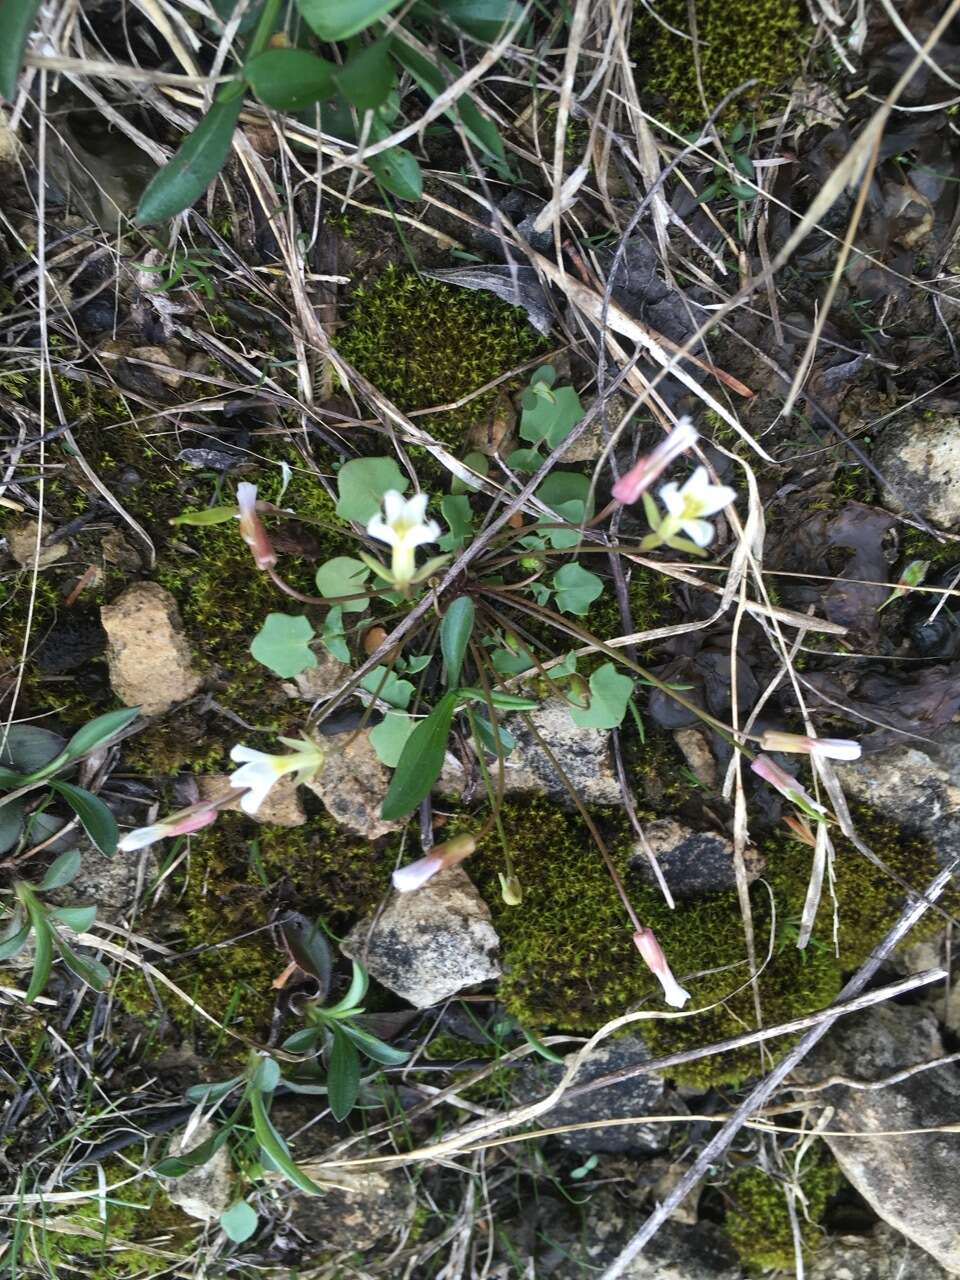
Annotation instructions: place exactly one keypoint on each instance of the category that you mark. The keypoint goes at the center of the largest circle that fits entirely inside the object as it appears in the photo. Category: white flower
(260, 771)
(404, 529)
(688, 505)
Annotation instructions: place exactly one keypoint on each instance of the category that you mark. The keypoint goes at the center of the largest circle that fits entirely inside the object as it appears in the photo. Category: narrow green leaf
(11, 823)
(97, 820)
(398, 171)
(485, 19)
(540, 1047)
(303, 1041)
(307, 944)
(341, 19)
(61, 872)
(13, 945)
(201, 156)
(79, 919)
(99, 731)
(375, 1048)
(290, 79)
(43, 954)
(367, 78)
(88, 970)
(433, 78)
(343, 1081)
(177, 1166)
(212, 1092)
(16, 21)
(210, 515)
(455, 632)
(239, 1222)
(421, 761)
(359, 982)
(276, 1149)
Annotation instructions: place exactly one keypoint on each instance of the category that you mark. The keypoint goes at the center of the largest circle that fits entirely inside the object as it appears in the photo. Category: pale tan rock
(281, 808)
(205, 1192)
(352, 785)
(22, 540)
(150, 662)
(320, 681)
(171, 357)
(697, 753)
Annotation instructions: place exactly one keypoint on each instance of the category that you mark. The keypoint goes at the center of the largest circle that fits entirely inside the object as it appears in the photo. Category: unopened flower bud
(440, 858)
(651, 951)
(511, 890)
(643, 472)
(799, 744)
(251, 527)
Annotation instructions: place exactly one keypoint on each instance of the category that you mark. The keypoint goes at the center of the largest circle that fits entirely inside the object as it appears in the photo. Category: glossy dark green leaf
(398, 171)
(290, 79)
(341, 19)
(421, 761)
(97, 820)
(16, 20)
(484, 19)
(177, 1166)
(201, 156)
(275, 1149)
(433, 78)
(98, 731)
(62, 871)
(27, 748)
(367, 77)
(343, 1078)
(455, 632)
(309, 947)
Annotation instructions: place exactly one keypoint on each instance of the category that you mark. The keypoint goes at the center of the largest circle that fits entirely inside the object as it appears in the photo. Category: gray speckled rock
(910, 1180)
(429, 944)
(882, 1255)
(693, 863)
(918, 785)
(584, 755)
(920, 460)
(352, 784)
(638, 1096)
(205, 1192)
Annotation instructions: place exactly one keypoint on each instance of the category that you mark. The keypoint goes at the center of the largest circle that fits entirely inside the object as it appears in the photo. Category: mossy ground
(569, 961)
(761, 41)
(424, 343)
(758, 1221)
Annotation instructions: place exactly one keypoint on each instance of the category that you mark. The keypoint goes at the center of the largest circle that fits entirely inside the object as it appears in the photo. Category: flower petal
(699, 531)
(394, 506)
(671, 498)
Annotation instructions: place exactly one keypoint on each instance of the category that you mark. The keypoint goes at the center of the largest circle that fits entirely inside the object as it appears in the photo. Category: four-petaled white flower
(259, 771)
(175, 824)
(688, 505)
(645, 940)
(404, 529)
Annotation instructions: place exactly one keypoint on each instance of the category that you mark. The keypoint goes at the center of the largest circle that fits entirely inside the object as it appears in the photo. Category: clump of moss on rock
(736, 42)
(758, 1221)
(569, 961)
(424, 343)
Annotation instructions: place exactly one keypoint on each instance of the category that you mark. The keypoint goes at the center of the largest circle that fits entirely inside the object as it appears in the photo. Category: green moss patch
(758, 1221)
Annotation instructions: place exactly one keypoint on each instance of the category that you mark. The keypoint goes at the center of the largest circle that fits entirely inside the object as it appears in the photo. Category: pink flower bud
(251, 527)
(177, 824)
(825, 748)
(440, 858)
(643, 472)
(651, 952)
(786, 784)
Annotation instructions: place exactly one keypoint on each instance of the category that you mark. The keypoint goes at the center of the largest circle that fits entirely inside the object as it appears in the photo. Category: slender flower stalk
(404, 529)
(651, 952)
(259, 771)
(181, 823)
(821, 748)
(440, 858)
(787, 785)
(645, 470)
(251, 527)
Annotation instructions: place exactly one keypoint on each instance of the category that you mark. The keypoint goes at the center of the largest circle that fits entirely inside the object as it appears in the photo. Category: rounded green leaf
(239, 1222)
(290, 79)
(576, 589)
(361, 484)
(610, 692)
(367, 78)
(343, 576)
(389, 737)
(283, 644)
(28, 748)
(61, 872)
